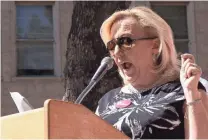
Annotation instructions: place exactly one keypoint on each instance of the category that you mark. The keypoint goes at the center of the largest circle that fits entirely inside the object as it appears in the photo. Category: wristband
(193, 102)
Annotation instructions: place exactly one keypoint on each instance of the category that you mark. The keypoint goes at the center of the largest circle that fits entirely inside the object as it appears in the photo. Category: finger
(193, 71)
(185, 61)
(190, 56)
(182, 71)
(182, 60)
(184, 66)
(189, 64)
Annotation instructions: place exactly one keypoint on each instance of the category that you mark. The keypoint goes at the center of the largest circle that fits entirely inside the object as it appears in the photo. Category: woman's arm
(196, 105)
(196, 118)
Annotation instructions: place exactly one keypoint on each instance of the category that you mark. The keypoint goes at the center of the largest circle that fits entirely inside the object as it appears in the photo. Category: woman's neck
(149, 81)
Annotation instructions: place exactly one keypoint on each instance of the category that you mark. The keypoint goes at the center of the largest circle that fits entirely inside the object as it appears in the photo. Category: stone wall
(201, 28)
(35, 89)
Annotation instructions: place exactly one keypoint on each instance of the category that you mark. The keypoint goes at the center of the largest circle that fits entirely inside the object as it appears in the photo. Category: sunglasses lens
(125, 41)
(111, 45)
(121, 42)
(128, 41)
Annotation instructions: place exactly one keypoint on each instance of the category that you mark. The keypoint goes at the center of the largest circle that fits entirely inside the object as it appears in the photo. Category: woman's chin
(130, 79)
(130, 75)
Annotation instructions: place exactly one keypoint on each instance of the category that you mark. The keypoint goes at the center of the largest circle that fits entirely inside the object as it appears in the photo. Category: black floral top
(152, 114)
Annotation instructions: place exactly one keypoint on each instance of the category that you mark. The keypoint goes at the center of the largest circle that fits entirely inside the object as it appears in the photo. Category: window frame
(190, 22)
(55, 41)
(174, 3)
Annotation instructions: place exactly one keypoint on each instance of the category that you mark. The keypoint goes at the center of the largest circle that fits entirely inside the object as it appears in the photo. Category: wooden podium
(58, 120)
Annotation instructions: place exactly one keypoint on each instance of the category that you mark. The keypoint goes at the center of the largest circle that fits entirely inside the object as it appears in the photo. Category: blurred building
(34, 42)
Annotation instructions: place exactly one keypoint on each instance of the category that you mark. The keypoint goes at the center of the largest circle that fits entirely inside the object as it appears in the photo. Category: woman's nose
(117, 51)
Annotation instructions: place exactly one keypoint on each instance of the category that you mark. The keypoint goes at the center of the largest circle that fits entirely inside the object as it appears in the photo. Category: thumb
(182, 63)
(182, 60)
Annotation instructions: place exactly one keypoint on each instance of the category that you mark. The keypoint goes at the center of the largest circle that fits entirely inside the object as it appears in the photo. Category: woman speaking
(161, 97)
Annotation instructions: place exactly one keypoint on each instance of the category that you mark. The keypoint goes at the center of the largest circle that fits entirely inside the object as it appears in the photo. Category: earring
(154, 58)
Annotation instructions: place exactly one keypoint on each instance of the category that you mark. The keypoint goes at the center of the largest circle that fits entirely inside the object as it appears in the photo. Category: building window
(175, 14)
(34, 40)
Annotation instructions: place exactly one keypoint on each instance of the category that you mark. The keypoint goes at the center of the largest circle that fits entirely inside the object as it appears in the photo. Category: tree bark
(85, 50)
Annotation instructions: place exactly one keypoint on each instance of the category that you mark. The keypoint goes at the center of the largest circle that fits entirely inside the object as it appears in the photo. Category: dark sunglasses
(125, 42)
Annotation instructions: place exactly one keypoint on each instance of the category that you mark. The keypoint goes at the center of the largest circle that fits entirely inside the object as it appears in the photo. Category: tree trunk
(85, 50)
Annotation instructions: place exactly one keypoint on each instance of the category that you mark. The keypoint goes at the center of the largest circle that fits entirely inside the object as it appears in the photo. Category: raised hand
(189, 76)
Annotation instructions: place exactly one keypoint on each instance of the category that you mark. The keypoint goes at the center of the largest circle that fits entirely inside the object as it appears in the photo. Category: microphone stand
(84, 92)
(89, 87)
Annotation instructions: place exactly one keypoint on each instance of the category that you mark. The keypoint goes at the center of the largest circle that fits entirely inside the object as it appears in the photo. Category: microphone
(106, 64)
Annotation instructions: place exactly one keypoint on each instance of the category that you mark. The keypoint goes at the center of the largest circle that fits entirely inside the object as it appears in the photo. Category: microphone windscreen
(107, 61)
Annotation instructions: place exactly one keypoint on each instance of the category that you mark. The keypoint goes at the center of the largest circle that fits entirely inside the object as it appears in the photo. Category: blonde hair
(167, 64)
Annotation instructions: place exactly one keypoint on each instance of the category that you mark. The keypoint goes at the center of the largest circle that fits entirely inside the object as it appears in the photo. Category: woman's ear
(155, 46)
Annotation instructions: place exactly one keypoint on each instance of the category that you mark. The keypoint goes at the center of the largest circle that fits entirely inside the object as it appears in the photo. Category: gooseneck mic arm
(106, 64)
(85, 92)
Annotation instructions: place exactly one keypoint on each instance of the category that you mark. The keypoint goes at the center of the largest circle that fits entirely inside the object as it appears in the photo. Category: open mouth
(126, 65)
